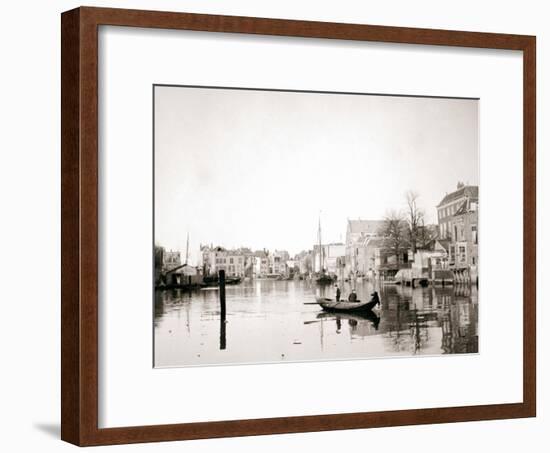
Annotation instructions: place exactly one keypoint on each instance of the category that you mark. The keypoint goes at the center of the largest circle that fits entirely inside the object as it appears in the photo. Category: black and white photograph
(298, 226)
(259, 226)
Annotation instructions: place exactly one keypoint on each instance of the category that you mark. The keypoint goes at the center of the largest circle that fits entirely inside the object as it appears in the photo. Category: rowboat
(342, 305)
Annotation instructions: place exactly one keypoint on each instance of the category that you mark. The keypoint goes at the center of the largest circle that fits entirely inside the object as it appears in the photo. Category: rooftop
(365, 226)
(377, 242)
(462, 192)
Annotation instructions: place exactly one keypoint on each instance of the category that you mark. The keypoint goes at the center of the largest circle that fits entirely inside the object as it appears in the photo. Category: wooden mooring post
(221, 283)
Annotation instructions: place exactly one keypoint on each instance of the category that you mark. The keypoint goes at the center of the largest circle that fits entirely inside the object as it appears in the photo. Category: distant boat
(213, 280)
(322, 277)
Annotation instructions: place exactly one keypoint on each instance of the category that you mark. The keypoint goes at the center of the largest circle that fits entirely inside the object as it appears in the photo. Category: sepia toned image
(309, 226)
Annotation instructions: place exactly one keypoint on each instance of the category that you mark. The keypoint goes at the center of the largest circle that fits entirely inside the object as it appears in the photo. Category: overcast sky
(255, 168)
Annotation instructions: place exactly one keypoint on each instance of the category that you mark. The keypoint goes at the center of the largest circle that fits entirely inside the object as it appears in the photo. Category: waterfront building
(169, 269)
(334, 254)
(366, 254)
(463, 249)
(261, 263)
(304, 261)
(358, 232)
(184, 275)
(277, 263)
(457, 215)
(432, 262)
(386, 263)
(464, 195)
(291, 264)
(328, 256)
(170, 260)
(374, 257)
(208, 256)
(256, 266)
(234, 262)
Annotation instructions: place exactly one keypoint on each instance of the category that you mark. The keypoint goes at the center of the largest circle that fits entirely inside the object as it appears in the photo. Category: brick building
(451, 203)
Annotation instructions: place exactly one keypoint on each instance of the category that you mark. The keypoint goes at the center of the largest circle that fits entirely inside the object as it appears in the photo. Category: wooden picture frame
(79, 169)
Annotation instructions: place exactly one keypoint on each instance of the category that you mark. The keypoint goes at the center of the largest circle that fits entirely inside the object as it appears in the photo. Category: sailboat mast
(187, 250)
(321, 260)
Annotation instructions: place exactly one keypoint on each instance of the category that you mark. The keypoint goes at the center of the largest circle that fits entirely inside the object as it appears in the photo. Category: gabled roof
(465, 191)
(365, 226)
(377, 242)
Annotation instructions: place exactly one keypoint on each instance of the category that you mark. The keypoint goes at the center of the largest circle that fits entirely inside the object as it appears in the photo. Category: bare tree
(415, 219)
(394, 230)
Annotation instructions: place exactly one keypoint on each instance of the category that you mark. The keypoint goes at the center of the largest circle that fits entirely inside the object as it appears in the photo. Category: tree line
(405, 229)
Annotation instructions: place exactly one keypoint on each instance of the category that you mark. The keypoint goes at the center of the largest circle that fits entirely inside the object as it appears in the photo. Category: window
(230, 260)
(462, 253)
(474, 234)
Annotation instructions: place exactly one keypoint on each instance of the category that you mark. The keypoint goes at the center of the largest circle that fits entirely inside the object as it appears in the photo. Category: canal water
(278, 321)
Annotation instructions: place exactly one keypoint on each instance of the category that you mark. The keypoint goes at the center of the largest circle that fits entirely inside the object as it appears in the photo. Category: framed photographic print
(278, 226)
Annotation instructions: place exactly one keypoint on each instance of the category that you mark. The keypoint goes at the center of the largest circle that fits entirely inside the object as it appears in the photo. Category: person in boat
(375, 297)
(352, 296)
(337, 293)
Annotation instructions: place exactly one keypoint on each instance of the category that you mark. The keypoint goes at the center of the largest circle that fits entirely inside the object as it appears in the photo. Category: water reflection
(272, 321)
